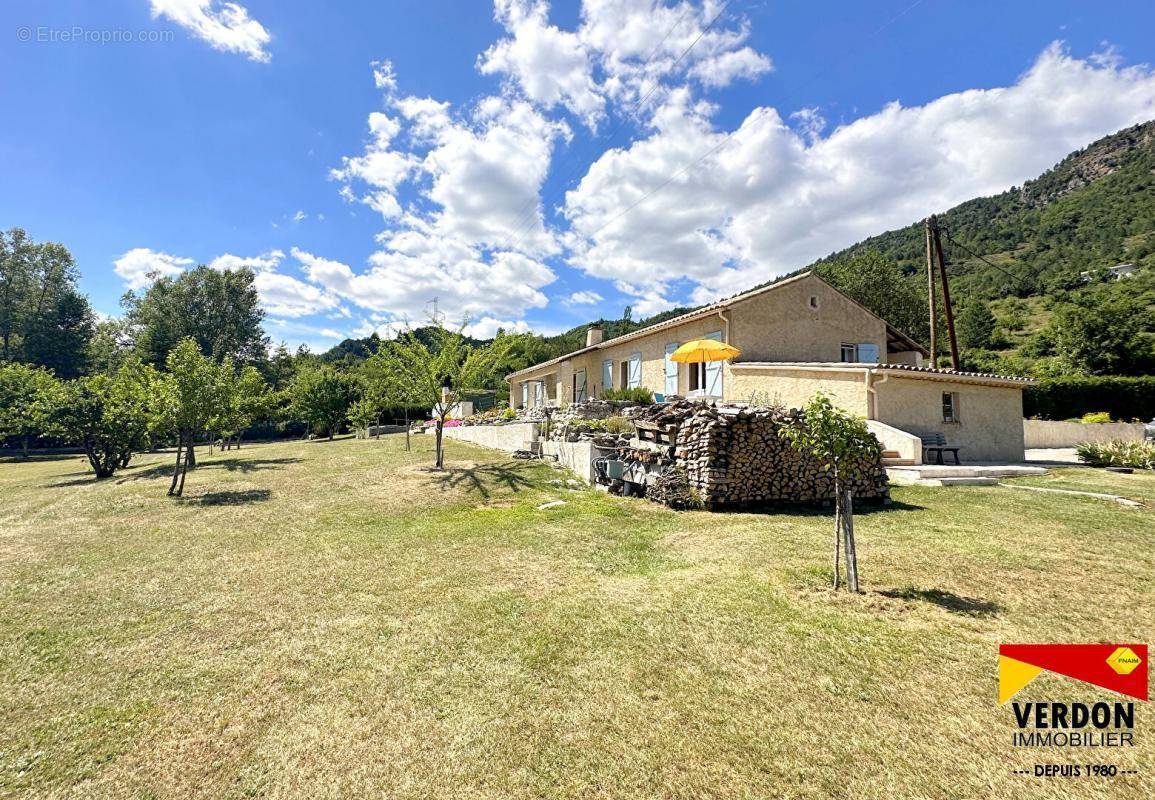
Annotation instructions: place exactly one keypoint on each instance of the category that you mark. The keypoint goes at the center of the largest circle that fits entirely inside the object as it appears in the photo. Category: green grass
(336, 620)
(1139, 485)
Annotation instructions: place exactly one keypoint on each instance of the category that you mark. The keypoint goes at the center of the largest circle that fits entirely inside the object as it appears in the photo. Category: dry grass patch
(335, 620)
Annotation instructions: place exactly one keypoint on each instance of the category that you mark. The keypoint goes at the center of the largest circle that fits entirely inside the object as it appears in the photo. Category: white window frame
(671, 369)
(853, 351)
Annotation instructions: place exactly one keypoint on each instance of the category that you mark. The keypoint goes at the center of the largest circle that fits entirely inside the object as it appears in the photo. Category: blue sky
(530, 165)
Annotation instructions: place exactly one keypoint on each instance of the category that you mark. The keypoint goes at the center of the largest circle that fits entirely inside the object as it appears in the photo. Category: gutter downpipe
(721, 312)
(873, 392)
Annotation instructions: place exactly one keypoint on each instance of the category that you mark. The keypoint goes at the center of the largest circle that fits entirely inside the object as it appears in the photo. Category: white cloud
(583, 298)
(139, 266)
(767, 199)
(225, 26)
(552, 66)
(300, 216)
(262, 263)
(286, 296)
(487, 327)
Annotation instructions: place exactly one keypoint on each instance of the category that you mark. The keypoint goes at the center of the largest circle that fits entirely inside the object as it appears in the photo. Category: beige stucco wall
(990, 426)
(778, 325)
(793, 387)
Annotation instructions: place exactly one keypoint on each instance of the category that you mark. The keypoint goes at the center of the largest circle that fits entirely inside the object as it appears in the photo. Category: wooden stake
(930, 292)
(945, 294)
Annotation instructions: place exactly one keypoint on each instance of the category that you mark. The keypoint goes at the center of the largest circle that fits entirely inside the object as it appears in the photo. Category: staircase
(892, 458)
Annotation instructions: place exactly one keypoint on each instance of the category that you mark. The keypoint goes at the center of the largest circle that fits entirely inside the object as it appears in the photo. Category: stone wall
(510, 437)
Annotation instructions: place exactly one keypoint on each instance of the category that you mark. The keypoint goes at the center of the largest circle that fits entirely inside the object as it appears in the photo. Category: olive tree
(842, 444)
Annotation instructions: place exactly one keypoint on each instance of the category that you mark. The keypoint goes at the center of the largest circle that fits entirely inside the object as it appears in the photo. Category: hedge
(1064, 398)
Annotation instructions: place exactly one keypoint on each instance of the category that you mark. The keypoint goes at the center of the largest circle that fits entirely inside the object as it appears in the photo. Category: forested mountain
(1094, 209)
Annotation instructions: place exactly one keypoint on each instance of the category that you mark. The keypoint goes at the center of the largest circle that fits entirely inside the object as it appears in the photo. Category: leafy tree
(841, 443)
(1100, 333)
(321, 396)
(438, 376)
(363, 413)
(243, 397)
(879, 284)
(28, 398)
(111, 345)
(194, 399)
(218, 309)
(111, 416)
(976, 326)
(44, 320)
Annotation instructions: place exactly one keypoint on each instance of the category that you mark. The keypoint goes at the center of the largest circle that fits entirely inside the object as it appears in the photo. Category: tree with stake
(193, 395)
(437, 375)
(842, 444)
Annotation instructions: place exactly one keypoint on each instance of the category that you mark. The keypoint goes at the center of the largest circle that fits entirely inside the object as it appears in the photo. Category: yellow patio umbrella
(699, 351)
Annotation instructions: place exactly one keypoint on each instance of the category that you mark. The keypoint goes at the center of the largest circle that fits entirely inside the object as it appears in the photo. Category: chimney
(593, 334)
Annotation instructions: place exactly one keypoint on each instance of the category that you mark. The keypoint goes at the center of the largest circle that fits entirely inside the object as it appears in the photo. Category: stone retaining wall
(500, 437)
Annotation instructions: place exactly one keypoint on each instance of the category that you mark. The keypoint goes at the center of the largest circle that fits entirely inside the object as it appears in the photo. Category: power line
(951, 239)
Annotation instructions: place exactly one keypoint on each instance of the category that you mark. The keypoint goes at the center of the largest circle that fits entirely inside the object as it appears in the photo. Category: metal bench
(934, 444)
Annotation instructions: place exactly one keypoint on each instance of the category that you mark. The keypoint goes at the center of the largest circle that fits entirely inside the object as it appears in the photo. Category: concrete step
(959, 482)
(897, 462)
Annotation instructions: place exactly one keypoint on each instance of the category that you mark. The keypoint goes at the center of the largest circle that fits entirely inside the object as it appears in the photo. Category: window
(524, 394)
(635, 373)
(579, 386)
(671, 369)
(950, 407)
(814, 301)
(863, 353)
(607, 374)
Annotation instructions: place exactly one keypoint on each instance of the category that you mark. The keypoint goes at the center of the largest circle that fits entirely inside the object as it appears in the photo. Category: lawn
(333, 619)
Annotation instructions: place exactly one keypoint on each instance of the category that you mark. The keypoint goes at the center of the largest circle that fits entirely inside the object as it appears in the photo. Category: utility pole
(945, 293)
(930, 296)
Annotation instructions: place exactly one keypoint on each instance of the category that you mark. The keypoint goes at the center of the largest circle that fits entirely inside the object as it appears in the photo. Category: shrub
(1138, 455)
(638, 394)
(1067, 397)
(1095, 417)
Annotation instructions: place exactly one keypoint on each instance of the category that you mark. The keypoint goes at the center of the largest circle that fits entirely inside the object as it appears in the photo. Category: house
(1115, 273)
(797, 336)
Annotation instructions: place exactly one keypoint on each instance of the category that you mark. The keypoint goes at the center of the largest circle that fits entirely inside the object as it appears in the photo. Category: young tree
(28, 397)
(243, 397)
(437, 375)
(321, 396)
(363, 413)
(841, 443)
(193, 397)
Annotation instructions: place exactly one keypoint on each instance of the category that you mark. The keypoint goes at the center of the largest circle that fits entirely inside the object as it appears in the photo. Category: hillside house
(797, 336)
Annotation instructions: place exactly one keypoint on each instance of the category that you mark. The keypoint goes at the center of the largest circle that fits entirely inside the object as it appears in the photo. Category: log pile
(672, 488)
(735, 457)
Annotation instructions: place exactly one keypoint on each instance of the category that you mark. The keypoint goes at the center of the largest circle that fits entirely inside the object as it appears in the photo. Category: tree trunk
(406, 429)
(439, 460)
(184, 468)
(24, 445)
(851, 551)
(176, 466)
(837, 536)
(190, 452)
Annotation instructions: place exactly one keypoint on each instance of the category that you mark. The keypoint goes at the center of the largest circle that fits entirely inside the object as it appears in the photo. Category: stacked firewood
(735, 457)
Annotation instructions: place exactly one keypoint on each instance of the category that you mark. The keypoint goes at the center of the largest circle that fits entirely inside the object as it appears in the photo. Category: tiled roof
(929, 371)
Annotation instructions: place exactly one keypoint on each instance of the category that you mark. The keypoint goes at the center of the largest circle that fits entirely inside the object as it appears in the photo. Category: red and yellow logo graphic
(1119, 667)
